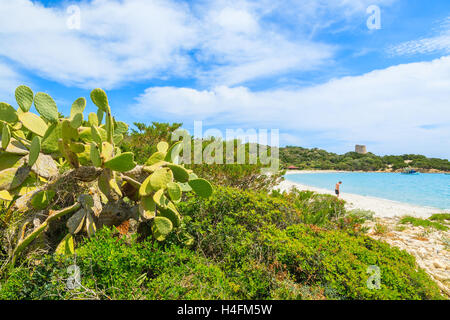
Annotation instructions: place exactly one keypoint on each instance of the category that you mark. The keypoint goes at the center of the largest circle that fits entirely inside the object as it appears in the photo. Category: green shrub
(238, 228)
(338, 260)
(418, 222)
(120, 268)
(442, 217)
(247, 246)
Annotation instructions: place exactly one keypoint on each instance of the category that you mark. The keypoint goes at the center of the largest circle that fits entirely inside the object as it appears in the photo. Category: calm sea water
(430, 190)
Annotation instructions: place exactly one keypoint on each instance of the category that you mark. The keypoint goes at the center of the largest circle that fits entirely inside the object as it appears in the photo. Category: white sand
(381, 207)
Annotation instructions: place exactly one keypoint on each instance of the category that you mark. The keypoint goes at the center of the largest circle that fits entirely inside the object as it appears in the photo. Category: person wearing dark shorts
(336, 189)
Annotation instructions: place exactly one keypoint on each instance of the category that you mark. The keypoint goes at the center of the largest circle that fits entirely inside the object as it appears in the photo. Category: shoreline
(381, 207)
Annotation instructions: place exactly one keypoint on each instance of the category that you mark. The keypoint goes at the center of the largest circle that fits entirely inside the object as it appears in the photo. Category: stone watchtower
(360, 149)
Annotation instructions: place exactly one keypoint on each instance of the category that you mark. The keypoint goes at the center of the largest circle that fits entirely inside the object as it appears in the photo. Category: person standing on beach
(336, 189)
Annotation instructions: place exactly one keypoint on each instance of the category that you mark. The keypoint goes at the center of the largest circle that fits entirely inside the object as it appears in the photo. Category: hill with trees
(319, 159)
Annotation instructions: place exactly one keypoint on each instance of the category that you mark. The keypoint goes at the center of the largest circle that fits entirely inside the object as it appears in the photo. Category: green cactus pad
(18, 128)
(161, 227)
(46, 106)
(185, 187)
(192, 176)
(7, 113)
(171, 213)
(10, 160)
(201, 187)
(24, 98)
(109, 128)
(107, 151)
(85, 156)
(16, 147)
(147, 207)
(100, 114)
(77, 107)
(155, 166)
(99, 98)
(174, 191)
(122, 163)
(113, 184)
(77, 120)
(96, 135)
(160, 199)
(148, 203)
(76, 221)
(121, 127)
(180, 173)
(77, 147)
(90, 225)
(11, 178)
(85, 134)
(103, 183)
(50, 140)
(5, 195)
(33, 123)
(162, 147)
(160, 178)
(117, 138)
(6, 137)
(156, 157)
(173, 154)
(35, 149)
(95, 155)
(68, 132)
(145, 189)
(93, 119)
(66, 246)
(42, 199)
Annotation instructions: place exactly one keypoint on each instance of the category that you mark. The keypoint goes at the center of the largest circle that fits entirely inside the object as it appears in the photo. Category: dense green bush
(340, 261)
(237, 228)
(121, 268)
(247, 246)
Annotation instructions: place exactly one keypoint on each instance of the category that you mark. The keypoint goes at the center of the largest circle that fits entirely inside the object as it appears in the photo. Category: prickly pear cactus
(35, 149)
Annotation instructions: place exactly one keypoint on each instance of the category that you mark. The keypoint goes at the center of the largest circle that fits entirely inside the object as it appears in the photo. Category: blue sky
(312, 69)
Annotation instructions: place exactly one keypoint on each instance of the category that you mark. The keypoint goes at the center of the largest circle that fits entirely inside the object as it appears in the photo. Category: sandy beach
(381, 207)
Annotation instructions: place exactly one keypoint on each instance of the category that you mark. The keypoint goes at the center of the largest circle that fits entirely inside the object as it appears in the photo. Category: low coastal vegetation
(428, 223)
(125, 220)
(247, 246)
(304, 158)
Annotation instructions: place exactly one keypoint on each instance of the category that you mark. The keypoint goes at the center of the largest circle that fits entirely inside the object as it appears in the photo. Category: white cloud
(238, 46)
(385, 108)
(217, 42)
(118, 41)
(439, 43)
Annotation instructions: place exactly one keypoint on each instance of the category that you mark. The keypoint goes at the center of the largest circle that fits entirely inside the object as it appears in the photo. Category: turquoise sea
(424, 189)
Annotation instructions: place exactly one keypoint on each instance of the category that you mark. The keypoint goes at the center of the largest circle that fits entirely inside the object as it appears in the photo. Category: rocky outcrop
(430, 247)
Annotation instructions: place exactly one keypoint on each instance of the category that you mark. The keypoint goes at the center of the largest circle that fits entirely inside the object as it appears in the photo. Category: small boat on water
(410, 171)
